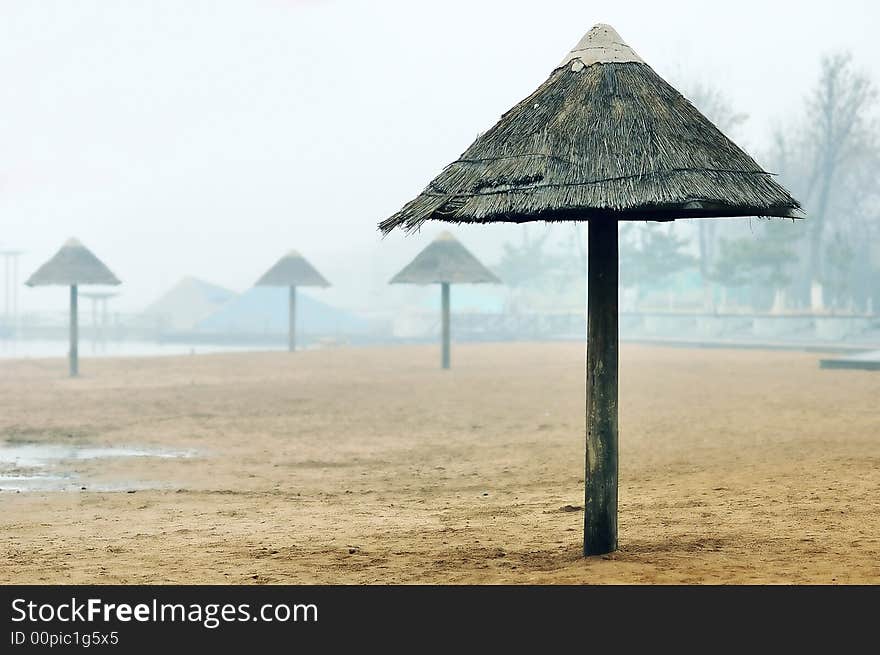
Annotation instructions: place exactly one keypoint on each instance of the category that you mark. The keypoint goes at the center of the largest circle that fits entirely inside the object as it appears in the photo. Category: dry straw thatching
(445, 260)
(292, 270)
(604, 137)
(74, 264)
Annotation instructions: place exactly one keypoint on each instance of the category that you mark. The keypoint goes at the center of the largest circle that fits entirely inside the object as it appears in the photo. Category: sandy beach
(372, 465)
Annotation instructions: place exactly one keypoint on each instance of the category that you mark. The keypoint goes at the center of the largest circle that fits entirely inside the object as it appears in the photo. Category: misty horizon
(208, 139)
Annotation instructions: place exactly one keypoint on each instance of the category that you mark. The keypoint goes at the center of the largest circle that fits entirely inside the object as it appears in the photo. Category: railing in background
(472, 326)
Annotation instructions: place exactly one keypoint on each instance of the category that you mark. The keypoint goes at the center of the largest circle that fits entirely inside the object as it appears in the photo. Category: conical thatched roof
(73, 264)
(604, 136)
(445, 260)
(292, 270)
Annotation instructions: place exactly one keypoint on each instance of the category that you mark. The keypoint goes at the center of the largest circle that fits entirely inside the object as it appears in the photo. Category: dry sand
(371, 465)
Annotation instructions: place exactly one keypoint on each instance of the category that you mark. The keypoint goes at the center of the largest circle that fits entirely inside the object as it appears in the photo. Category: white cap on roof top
(602, 44)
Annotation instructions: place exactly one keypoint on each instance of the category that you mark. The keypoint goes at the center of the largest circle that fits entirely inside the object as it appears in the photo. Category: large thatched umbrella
(445, 261)
(73, 266)
(604, 139)
(292, 271)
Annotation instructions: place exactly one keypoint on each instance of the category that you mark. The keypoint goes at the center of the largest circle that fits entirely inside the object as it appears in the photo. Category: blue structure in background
(469, 299)
(263, 311)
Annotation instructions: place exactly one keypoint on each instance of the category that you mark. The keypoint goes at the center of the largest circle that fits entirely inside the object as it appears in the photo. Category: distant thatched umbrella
(604, 139)
(72, 266)
(445, 261)
(292, 271)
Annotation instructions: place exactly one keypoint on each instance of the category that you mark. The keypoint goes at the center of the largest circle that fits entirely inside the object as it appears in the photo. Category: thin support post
(7, 289)
(104, 324)
(15, 295)
(444, 291)
(74, 333)
(94, 323)
(291, 328)
(600, 502)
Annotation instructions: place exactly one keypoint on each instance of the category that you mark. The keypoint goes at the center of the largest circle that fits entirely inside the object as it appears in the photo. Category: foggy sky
(207, 138)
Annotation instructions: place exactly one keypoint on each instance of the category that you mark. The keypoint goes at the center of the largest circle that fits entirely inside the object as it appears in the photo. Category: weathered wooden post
(600, 503)
(603, 139)
(292, 271)
(73, 355)
(445, 261)
(444, 292)
(72, 266)
(291, 319)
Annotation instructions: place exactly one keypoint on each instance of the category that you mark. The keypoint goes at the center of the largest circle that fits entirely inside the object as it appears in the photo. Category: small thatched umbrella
(292, 271)
(72, 266)
(445, 261)
(604, 139)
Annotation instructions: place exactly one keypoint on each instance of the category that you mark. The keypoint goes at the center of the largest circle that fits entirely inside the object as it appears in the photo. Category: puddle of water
(25, 483)
(14, 482)
(41, 467)
(33, 455)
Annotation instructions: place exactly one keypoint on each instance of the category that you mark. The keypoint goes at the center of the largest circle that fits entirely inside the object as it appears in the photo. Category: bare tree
(838, 139)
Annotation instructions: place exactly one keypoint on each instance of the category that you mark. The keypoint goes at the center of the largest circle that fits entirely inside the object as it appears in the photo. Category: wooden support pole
(291, 329)
(74, 333)
(600, 503)
(444, 291)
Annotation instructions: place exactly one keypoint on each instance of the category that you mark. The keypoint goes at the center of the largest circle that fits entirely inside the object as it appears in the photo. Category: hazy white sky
(207, 138)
